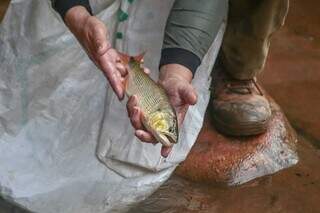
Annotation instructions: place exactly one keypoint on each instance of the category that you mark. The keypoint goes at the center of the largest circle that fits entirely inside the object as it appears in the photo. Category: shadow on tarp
(6, 207)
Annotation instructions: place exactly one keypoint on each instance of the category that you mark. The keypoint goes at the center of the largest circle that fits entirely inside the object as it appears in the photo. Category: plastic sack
(59, 117)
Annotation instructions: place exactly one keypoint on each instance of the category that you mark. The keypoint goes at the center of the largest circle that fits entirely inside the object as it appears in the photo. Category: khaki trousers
(247, 39)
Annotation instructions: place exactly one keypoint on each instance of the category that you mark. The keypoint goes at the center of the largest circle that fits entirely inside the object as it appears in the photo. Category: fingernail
(120, 97)
(138, 134)
(119, 91)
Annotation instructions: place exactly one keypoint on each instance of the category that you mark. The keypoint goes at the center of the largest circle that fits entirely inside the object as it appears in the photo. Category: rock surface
(236, 160)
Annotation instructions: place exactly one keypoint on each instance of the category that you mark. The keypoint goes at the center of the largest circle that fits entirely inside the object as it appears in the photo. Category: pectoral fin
(139, 58)
(124, 58)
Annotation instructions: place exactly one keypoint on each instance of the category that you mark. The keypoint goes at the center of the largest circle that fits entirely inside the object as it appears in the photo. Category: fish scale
(153, 98)
(159, 116)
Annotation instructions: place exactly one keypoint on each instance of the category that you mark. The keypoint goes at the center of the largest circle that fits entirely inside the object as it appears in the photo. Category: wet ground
(294, 190)
(292, 73)
(292, 77)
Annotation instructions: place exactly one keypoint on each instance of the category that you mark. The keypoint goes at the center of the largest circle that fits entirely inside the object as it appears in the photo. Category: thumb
(188, 94)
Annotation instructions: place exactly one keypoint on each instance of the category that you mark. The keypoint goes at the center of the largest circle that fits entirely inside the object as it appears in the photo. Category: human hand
(175, 79)
(93, 36)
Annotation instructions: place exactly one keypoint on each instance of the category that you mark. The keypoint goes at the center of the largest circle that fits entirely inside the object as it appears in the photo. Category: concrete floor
(292, 77)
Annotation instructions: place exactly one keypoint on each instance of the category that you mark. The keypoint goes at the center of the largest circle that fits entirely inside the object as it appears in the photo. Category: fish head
(163, 125)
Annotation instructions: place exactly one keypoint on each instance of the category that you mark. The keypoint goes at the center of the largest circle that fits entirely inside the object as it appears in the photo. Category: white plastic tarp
(66, 144)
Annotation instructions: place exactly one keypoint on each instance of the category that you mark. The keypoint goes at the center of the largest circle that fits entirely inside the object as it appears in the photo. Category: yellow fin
(139, 58)
(124, 57)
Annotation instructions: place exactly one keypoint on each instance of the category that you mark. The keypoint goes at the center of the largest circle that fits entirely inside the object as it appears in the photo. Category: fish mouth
(171, 139)
(167, 140)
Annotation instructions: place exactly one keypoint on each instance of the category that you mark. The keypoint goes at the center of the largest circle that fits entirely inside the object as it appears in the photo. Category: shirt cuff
(62, 6)
(180, 56)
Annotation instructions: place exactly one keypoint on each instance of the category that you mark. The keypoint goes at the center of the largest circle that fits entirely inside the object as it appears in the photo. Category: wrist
(175, 71)
(179, 55)
(76, 18)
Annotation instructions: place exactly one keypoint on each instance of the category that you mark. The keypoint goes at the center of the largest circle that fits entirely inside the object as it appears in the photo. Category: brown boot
(239, 107)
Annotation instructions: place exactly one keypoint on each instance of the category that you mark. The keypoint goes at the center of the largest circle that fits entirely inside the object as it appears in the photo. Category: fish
(159, 116)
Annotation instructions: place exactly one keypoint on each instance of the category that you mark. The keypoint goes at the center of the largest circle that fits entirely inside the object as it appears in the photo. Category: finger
(114, 56)
(181, 114)
(136, 118)
(145, 136)
(132, 102)
(165, 151)
(113, 76)
(122, 69)
(99, 40)
(188, 94)
(146, 70)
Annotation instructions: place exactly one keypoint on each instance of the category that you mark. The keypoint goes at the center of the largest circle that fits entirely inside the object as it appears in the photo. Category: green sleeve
(193, 24)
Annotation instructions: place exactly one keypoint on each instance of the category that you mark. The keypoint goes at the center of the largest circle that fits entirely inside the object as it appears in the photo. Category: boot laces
(243, 86)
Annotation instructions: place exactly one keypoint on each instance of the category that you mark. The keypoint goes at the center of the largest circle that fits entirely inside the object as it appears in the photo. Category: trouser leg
(250, 26)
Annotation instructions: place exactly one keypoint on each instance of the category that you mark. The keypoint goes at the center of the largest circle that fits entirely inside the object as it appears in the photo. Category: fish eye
(171, 129)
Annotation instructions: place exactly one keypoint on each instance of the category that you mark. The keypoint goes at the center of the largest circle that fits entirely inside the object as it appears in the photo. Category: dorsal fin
(139, 58)
(124, 57)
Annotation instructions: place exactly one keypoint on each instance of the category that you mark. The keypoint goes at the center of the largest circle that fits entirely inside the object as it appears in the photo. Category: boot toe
(245, 117)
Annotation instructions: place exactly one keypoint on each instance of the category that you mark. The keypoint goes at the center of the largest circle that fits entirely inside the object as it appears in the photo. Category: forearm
(63, 6)
(76, 18)
(190, 31)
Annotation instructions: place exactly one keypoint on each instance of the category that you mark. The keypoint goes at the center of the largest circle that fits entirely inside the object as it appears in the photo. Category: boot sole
(244, 129)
